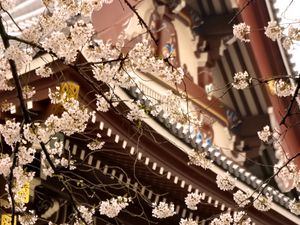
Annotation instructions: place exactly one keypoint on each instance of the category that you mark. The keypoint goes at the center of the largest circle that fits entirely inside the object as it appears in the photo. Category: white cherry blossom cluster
(238, 218)
(17, 54)
(73, 120)
(273, 30)
(5, 165)
(7, 4)
(263, 203)
(136, 113)
(224, 219)
(86, 214)
(44, 71)
(28, 92)
(241, 31)
(225, 182)
(288, 35)
(288, 171)
(55, 151)
(21, 178)
(25, 155)
(192, 200)
(113, 74)
(81, 33)
(287, 43)
(32, 33)
(163, 210)
(141, 58)
(55, 20)
(64, 44)
(36, 133)
(297, 182)
(28, 218)
(171, 104)
(6, 106)
(104, 102)
(294, 207)
(4, 75)
(241, 80)
(11, 132)
(59, 44)
(241, 199)
(284, 88)
(100, 51)
(96, 144)
(49, 23)
(199, 158)
(111, 208)
(188, 222)
(264, 134)
(293, 34)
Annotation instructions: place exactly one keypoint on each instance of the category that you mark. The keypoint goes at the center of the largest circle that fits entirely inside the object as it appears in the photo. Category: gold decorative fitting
(67, 90)
(272, 87)
(70, 89)
(24, 193)
(6, 219)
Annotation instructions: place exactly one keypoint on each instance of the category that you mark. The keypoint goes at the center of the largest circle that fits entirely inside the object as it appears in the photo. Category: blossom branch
(288, 112)
(141, 20)
(13, 67)
(240, 11)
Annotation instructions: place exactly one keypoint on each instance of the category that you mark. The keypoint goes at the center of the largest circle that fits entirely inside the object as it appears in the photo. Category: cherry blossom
(263, 203)
(17, 54)
(86, 214)
(25, 155)
(240, 218)
(96, 144)
(241, 80)
(7, 4)
(264, 134)
(294, 206)
(44, 71)
(111, 208)
(241, 31)
(28, 219)
(11, 132)
(192, 200)
(283, 88)
(241, 198)
(273, 30)
(28, 92)
(287, 43)
(163, 210)
(5, 164)
(6, 106)
(136, 113)
(188, 222)
(225, 182)
(294, 33)
(199, 158)
(224, 219)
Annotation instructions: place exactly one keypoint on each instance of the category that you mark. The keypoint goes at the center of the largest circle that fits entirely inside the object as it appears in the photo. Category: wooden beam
(216, 25)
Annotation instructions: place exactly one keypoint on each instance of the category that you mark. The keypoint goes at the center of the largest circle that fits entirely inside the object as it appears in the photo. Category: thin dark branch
(141, 21)
(13, 68)
(12, 19)
(240, 11)
(288, 111)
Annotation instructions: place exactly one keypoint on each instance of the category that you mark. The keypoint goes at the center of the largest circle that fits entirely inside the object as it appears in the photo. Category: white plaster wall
(133, 29)
(225, 141)
(187, 44)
